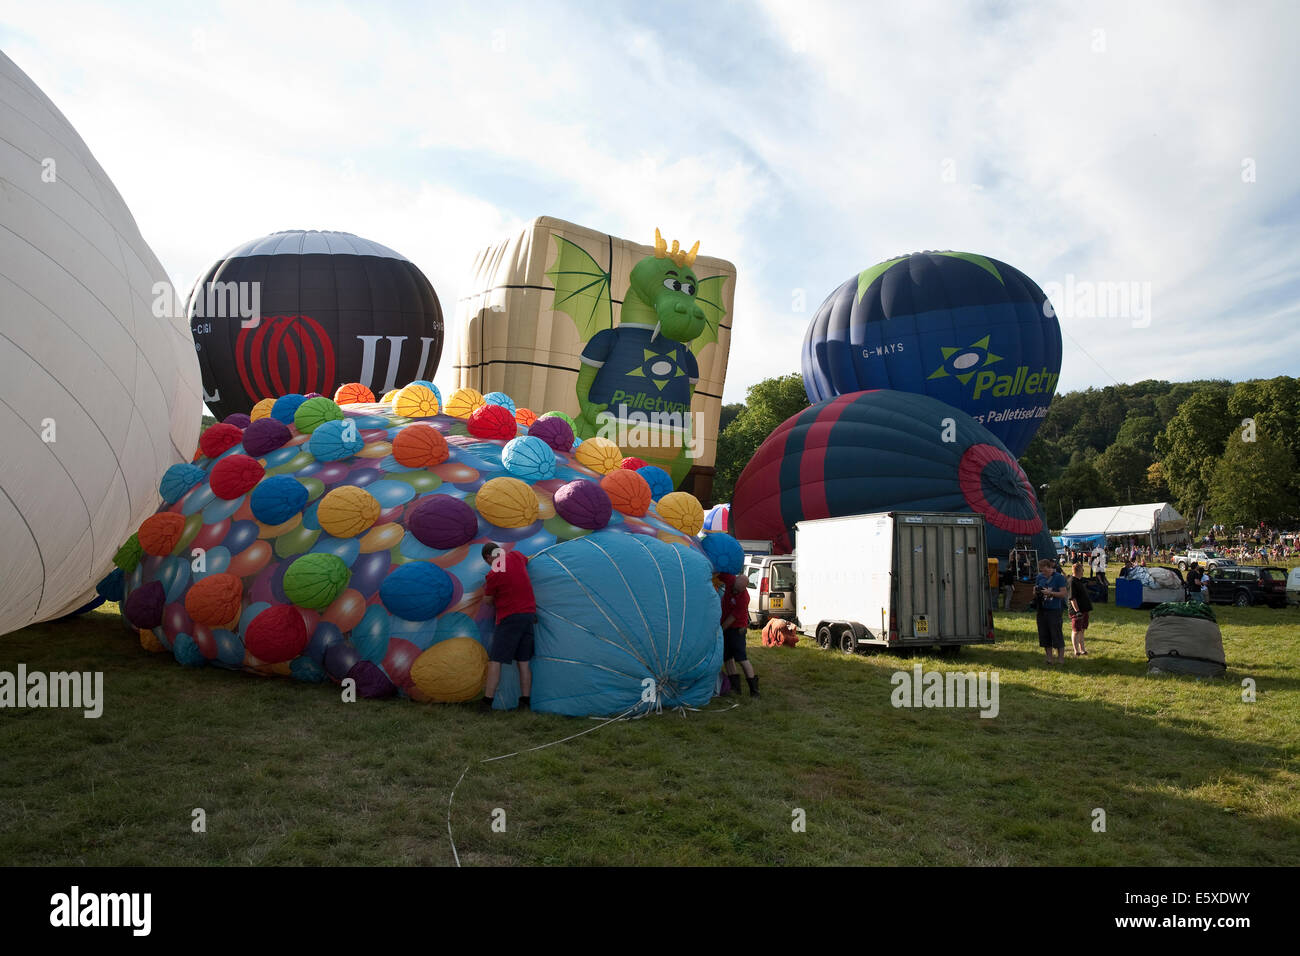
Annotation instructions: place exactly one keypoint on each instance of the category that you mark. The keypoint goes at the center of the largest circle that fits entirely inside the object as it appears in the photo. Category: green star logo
(963, 362)
(654, 365)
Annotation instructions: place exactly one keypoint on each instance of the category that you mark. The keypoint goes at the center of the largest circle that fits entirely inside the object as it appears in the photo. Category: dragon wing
(581, 288)
(708, 296)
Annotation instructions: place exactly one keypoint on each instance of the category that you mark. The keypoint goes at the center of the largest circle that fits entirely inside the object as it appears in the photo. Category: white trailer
(897, 579)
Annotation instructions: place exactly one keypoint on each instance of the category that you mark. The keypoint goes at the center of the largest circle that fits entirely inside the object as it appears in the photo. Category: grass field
(1185, 771)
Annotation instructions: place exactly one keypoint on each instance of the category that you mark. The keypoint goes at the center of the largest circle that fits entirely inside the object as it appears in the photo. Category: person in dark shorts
(1052, 591)
(1080, 606)
(508, 587)
(735, 617)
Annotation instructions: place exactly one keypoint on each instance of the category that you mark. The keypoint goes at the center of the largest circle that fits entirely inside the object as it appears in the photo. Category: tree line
(1222, 452)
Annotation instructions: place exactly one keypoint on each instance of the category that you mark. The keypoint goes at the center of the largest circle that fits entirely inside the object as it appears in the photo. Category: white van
(1293, 587)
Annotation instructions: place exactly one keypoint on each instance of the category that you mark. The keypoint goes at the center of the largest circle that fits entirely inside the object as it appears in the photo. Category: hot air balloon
(717, 517)
(363, 561)
(884, 450)
(562, 317)
(98, 395)
(963, 328)
(306, 311)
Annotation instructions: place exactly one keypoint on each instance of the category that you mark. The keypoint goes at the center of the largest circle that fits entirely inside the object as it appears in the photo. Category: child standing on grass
(1080, 606)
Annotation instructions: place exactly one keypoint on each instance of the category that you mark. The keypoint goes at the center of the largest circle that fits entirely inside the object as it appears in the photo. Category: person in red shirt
(508, 587)
(735, 619)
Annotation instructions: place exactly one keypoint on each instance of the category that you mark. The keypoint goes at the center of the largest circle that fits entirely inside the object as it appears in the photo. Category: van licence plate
(776, 601)
(921, 625)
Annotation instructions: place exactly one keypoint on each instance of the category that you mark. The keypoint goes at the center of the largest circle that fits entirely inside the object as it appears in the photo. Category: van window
(782, 577)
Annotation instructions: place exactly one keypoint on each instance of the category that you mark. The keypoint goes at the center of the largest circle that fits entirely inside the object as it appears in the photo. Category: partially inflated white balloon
(98, 395)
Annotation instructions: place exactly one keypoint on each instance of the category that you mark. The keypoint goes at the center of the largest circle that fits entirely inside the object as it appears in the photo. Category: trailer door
(917, 612)
(970, 582)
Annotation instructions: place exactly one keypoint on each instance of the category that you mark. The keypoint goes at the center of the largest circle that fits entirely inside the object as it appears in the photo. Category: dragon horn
(661, 247)
(690, 256)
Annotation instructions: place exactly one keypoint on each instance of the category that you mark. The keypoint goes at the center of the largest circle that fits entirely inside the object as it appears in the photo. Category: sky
(1089, 145)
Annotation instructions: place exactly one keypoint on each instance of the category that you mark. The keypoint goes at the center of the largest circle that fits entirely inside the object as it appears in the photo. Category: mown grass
(1186, 772)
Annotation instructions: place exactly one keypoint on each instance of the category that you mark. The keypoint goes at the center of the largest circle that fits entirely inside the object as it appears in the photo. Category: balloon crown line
(680, 256)
(312, 232)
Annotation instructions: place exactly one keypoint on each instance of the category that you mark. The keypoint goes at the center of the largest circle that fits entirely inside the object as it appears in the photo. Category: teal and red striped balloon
(884, 450)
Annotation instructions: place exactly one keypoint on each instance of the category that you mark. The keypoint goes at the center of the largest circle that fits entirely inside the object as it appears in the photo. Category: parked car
(771, 587)
(1246, 586)
(1293, 587)
(1206, 559)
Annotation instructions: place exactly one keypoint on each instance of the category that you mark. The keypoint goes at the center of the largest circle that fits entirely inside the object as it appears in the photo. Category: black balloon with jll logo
(306, 311)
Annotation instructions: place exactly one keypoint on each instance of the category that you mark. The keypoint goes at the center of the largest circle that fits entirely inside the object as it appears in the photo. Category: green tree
(1274, 407)
(1190, 446)
(1124, 469)
(1041, 461)
(1139, 431)
(1078, 487)
(767, 405)
(728, 415)
(1156, 482)
(1248, 486)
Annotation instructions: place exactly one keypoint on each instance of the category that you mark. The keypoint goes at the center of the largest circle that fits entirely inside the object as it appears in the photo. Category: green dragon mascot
(637, 378)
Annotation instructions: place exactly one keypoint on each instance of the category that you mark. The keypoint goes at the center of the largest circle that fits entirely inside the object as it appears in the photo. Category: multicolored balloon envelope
(884, 450)
(326, 307)
(366, 563)
(963, 328)
(644, 620)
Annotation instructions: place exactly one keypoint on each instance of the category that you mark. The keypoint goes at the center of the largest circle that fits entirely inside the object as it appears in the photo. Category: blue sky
(1151, 143)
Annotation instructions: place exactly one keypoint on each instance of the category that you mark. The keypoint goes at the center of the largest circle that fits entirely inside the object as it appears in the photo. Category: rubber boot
(735, 683)
(485, 705)
(525, 703)
(753, 685)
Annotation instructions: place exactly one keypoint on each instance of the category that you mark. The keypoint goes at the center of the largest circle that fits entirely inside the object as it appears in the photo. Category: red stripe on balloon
(241, 361)
(812, 460)
(309, 367)
(325, 384)
(257, 355)
(273, 353)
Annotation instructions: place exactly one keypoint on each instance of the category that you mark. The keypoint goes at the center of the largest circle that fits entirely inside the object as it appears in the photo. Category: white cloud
(804, 143)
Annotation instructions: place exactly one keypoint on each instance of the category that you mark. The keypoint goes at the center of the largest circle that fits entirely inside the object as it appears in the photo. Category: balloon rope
(451, 796)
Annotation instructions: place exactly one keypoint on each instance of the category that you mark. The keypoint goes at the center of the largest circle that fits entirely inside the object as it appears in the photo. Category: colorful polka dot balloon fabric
(320, 539)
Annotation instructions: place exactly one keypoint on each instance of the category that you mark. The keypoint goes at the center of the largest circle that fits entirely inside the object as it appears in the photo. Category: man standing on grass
(509, 588)
(735, 617)
(1052, 591)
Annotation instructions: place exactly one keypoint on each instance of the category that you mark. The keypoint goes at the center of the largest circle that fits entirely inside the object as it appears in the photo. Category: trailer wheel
(950, 650)
(824, 636)
(848, 641)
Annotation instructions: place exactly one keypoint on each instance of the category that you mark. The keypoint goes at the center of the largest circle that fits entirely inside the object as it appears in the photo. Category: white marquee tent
(1156, 521)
